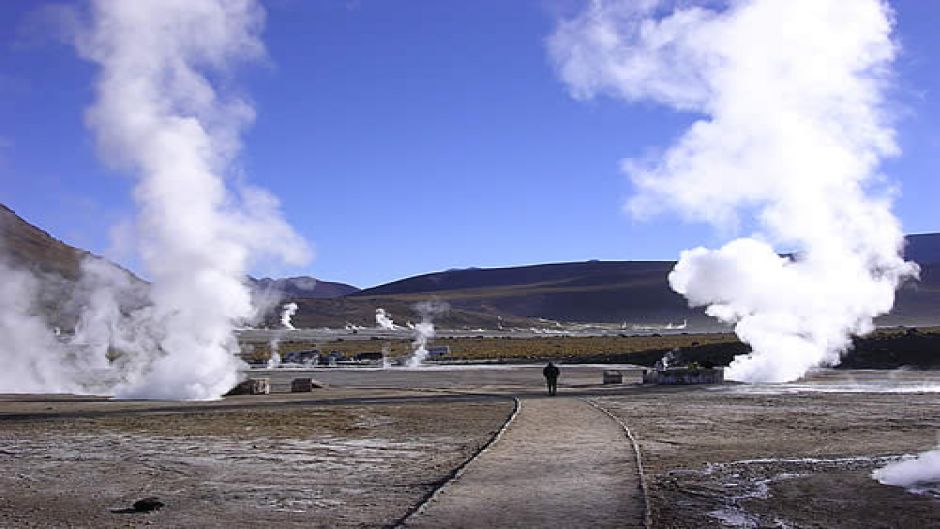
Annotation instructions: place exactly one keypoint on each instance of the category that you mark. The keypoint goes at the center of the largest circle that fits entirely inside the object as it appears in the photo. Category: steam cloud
(275, 360)
(922, 470)
(32, 356)
(424, 330)
(160, 115)
(383, 320)
(287, 312)
(792, 126)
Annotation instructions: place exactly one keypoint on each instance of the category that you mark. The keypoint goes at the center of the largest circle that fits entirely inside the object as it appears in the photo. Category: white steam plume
(793, 125)
(287, 312)
(34, 360)
(274, 360)
(160, 115)
(912, 473)
(383, 320)
(424, 331)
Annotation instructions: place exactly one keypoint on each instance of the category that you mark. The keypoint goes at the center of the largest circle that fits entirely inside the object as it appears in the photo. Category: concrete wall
(682, 376)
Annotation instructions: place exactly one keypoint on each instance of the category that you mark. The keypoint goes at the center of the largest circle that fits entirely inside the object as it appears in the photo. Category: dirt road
(561, 463)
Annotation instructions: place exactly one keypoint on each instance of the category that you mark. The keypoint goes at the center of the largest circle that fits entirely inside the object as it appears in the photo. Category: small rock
(147, 504)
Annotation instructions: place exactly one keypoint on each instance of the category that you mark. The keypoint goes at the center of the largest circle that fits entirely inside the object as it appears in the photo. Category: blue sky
(405, 137)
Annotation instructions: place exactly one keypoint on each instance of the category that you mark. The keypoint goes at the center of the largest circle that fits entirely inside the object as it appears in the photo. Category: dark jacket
(551, 371)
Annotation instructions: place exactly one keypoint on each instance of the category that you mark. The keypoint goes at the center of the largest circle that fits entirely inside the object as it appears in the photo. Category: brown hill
(27, 247)
(23, 246)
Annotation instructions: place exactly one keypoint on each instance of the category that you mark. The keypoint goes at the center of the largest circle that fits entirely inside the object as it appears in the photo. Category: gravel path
(561, 463)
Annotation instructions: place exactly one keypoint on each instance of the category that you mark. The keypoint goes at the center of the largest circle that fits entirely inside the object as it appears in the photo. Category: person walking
(551, 373)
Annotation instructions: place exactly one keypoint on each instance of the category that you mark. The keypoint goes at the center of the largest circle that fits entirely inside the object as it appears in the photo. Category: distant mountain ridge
(921, 248)
(304, 287)
(591, 291)
(631, 292)
(589, 272)
(636, 292)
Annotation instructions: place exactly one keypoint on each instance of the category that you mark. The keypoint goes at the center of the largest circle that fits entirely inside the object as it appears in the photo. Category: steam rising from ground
(287, 312)
(160, 115)
(383, 320)
(913, 473)
(793, 124)
(424, 330)
(275, 360)
(34, 360)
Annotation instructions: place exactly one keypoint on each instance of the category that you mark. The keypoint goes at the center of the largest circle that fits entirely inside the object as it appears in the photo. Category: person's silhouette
(551, 373)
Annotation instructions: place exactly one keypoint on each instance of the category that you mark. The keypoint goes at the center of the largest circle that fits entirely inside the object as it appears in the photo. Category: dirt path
(561, 463)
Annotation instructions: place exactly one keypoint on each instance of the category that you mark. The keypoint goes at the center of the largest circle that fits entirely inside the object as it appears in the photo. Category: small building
(673, 376)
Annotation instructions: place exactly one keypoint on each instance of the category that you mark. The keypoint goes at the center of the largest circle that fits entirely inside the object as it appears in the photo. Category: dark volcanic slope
(583, 274)
(57, 265)
(28, 247)
(616, 291)
(593, 291)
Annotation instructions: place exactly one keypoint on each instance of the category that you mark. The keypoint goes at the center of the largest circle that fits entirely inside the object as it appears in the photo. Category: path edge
(644, 489)
(455, 474)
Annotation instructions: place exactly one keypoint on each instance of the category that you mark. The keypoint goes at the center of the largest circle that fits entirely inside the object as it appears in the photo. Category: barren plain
(381, 448)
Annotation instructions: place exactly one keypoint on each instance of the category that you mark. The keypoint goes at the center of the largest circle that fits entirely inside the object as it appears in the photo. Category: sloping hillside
(635, 292)
(56, 264)
(27, 247)
(304, 287)
(593, 291)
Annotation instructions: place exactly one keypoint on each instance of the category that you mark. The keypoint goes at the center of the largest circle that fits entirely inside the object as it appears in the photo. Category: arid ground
(381, 449)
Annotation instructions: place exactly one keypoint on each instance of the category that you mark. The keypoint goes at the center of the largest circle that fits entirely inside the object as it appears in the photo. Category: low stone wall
(304, 385)
(252, 386)
(683, 375)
